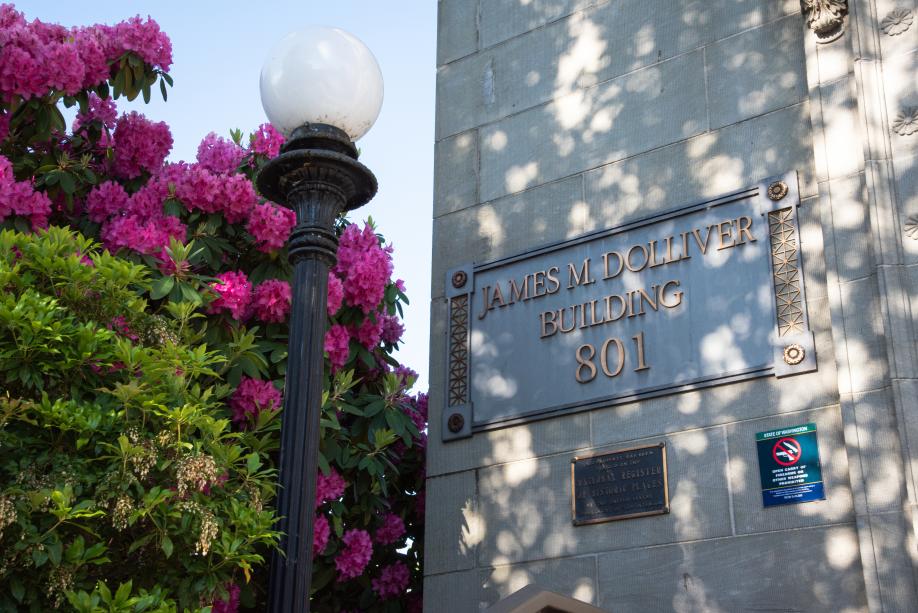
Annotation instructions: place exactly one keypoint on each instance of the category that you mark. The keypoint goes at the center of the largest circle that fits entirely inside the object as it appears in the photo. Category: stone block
(552, 49)
(505, 19)
(906, 391)
(899, 39)
(453, 526)
(515, 443)
(844, 154)
(573, 577)
(906, 172)
(812, 248)
(898, 76)
(901, 333)
(526, 505)
(851, 228)
(757, 71)
(457, 29)
(861, 336)
(522, 73)
(891, 554)
(638, 112)
(745, 573)
(703, 167)
(507, 226)
(452, 592)
(745, 484)
(879, 450)
(455, 173)
(648, 31)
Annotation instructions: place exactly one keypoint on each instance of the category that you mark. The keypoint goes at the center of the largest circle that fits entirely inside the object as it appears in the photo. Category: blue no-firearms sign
(789, 465)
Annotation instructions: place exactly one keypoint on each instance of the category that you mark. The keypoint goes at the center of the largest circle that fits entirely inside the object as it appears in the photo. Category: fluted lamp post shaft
(317, 175)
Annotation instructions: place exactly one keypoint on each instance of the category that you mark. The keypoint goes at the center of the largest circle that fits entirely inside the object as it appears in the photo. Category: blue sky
(218, 50)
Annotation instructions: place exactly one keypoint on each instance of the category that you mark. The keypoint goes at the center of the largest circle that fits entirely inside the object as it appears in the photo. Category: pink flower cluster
(393, 529)
(19, 198)
(101, 110)
(392, 329)
(363, 266)
(270, 225)
(231, 604)
(140, 145)
(199, 188)
(392, 581)
(253, 396)
(329, 487)
(337, 346)
(335, 294)
(266, 141)
(357, 552)
(320, 533)
(234, 293)
(219, 155)
(39, 57)
(134, 222)
(271, 301)
(143, 38)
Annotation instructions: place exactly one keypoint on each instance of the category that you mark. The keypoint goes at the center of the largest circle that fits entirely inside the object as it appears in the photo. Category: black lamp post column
(318, 176)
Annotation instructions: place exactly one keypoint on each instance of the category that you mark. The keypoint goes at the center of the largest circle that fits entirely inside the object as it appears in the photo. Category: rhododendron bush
(143, 342)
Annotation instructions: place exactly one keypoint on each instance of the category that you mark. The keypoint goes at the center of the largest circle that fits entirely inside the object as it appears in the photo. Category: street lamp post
(322, 88)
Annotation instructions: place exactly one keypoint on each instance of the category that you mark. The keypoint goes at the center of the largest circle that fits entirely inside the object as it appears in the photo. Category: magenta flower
(252, 397)
(369, 332)
(335, 293)
(140, 145)
(364, 267)
(231, 604)
(105, 200)
(320, 533)
(337, 341)
(103, 111)
(329, 487)
(392, 530)
(270, 225)
(219, 155)
(147, 235)
(358, 550)
(19, 198)
(392, 581)
(234, 293)
(266, 141)
(272, 301)
(144, 38)
(392, 329)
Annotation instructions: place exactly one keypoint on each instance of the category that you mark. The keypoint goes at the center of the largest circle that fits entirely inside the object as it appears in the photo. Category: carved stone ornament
(906, 122)
(911, 227)
(794, 354)
(826, 18)
(897, 21)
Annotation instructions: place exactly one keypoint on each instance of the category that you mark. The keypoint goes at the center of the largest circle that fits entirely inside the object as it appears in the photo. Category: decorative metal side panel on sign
(702, 295)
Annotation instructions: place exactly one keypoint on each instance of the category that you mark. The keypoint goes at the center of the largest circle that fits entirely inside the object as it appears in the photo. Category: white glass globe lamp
(321, 75)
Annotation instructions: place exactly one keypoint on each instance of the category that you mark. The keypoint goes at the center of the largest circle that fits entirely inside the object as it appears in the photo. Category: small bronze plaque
(619, 485)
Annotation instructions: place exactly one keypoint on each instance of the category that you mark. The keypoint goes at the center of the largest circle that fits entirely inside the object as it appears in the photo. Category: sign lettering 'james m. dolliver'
(705, 294)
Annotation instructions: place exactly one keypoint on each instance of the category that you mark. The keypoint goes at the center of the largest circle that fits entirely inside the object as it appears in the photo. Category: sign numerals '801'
(586, 354)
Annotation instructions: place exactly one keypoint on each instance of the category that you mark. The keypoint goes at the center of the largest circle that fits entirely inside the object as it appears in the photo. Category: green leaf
(161, 287)
(166, 544)
(66, 182)
(54, 552)
(162, 89)
(17, 589)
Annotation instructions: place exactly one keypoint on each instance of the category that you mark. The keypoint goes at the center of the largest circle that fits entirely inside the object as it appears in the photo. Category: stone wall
(559, 117)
